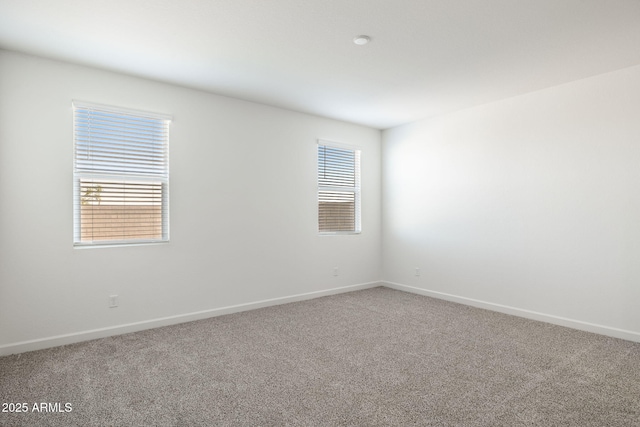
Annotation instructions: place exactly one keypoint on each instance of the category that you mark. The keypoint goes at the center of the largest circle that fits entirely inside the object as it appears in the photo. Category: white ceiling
(426, 57)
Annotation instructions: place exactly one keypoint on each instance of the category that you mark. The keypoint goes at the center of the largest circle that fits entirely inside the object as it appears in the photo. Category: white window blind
(338, 189)
(121, 176)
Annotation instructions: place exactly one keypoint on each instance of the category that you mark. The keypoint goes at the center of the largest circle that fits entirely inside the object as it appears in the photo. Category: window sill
(339, 233)
(117, 244)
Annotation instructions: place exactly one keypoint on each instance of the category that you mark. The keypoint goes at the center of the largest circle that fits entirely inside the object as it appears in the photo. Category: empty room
(319, 213)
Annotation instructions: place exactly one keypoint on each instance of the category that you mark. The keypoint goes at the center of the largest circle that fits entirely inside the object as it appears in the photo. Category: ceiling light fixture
(362, 40)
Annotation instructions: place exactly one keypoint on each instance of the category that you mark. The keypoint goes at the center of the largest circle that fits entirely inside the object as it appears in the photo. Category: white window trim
(357, 190)
(78, 175)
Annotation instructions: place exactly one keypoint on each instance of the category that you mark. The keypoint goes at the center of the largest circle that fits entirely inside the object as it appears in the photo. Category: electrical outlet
(417, 271)
(335, 271)
(113, 301)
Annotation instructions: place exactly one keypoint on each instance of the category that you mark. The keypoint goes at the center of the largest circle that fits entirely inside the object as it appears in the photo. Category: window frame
(356, 190)
(148, 179)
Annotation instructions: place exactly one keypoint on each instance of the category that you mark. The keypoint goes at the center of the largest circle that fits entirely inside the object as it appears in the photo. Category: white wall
(243, 209)
(530, 205)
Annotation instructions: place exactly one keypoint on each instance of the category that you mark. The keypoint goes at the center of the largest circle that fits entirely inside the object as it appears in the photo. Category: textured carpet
(367, 358)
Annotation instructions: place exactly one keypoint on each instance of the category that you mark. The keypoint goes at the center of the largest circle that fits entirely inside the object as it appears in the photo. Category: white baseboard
(58, 340)
(556, 320)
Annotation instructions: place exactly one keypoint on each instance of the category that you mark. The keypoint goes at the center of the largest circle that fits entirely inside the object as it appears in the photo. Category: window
(338, 189)
(120, 175)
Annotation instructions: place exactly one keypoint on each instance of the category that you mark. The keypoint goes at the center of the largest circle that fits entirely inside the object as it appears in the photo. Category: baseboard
(556, 320)
(58, 340)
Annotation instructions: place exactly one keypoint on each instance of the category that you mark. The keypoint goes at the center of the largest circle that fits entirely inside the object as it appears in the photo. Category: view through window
(338, 189)
(121, 176)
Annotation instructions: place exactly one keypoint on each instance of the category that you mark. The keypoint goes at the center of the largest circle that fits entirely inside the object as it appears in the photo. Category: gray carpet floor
(366, 358)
